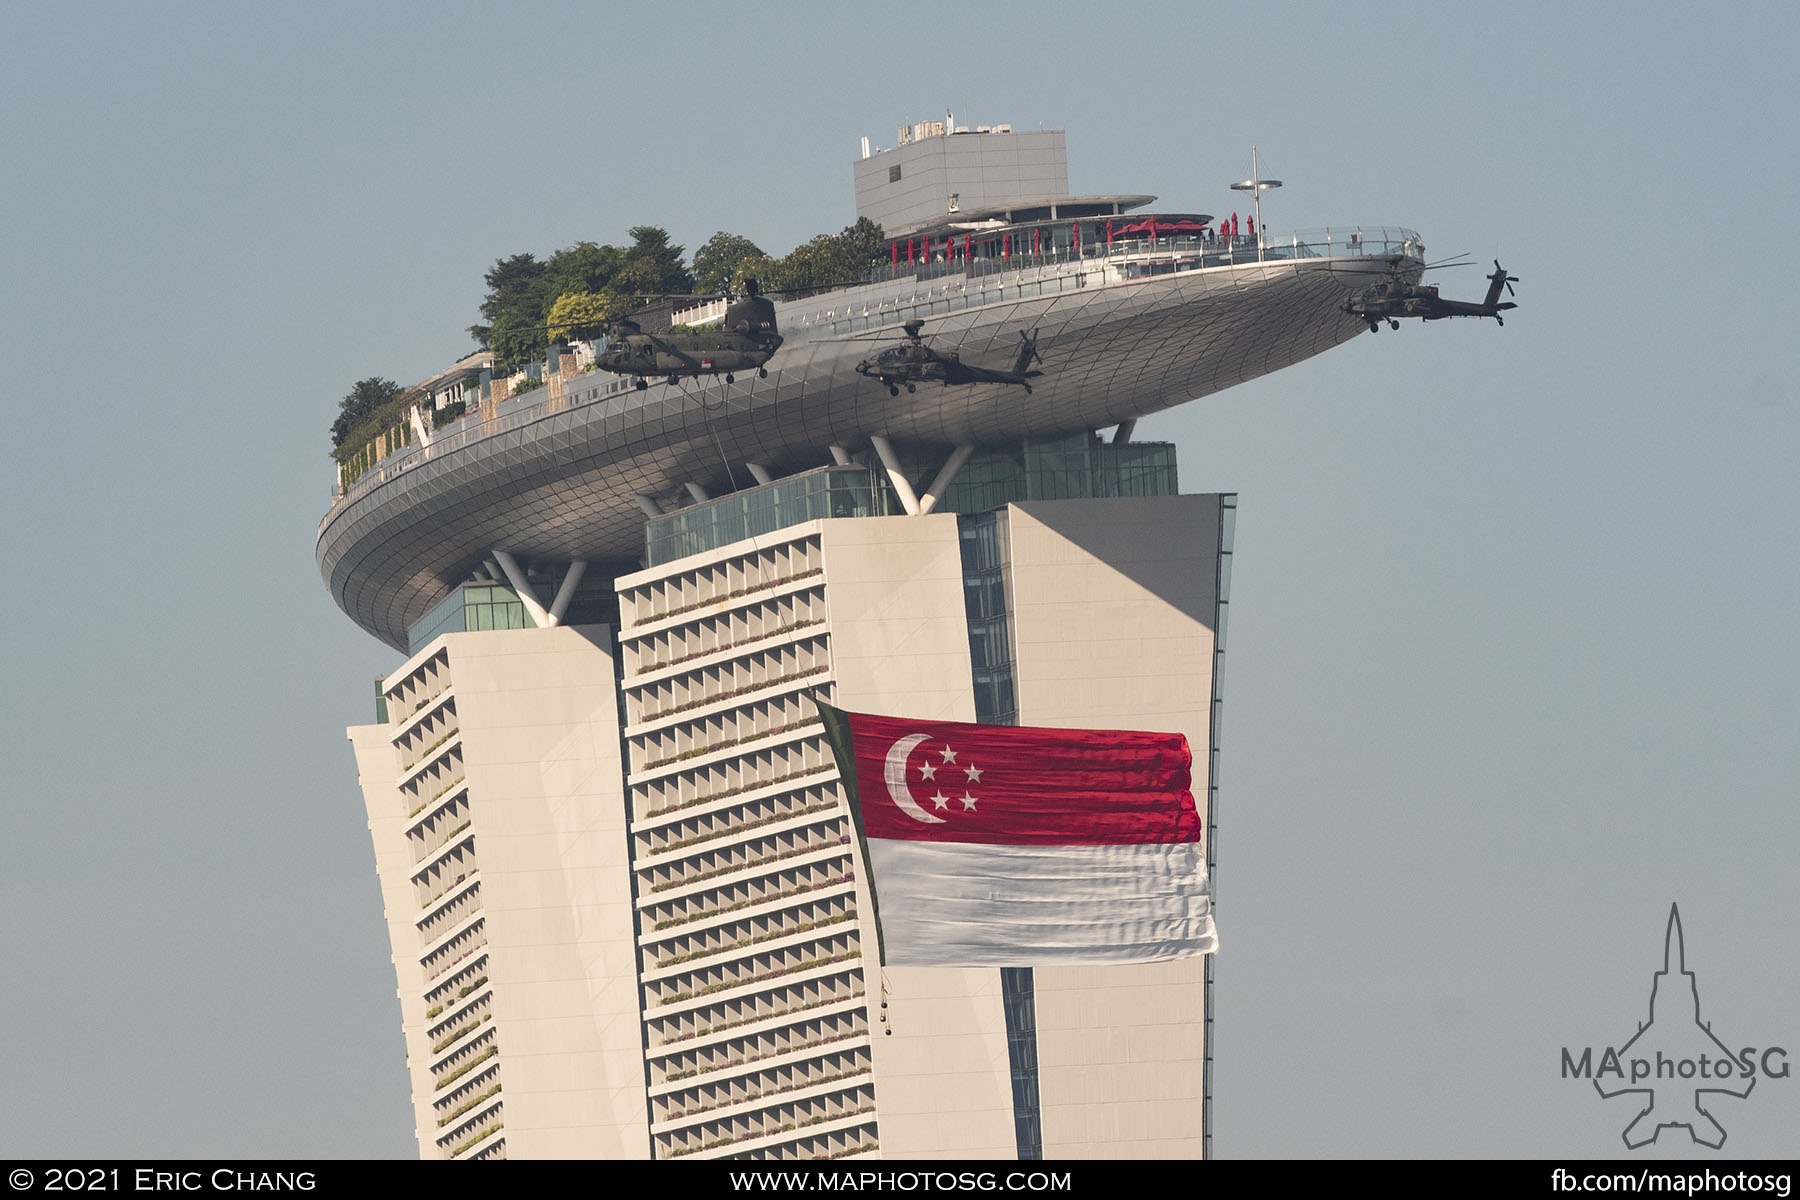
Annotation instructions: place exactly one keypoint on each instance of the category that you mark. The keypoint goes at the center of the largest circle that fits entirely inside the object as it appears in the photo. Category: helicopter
(912, 362)
(745, 340)
(1394, 298)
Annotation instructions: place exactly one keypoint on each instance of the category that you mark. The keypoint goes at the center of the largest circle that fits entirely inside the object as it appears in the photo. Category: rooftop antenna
(1257, 186)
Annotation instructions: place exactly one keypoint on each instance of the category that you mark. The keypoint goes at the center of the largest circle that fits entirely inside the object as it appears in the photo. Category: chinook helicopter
(912, 362)
(1394, 298)
(744, 341)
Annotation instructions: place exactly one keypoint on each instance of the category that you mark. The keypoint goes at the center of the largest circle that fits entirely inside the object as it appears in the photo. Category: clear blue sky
(1513, 658)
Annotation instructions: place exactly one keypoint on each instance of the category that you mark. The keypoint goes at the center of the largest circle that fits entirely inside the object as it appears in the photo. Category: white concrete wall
(377, 765)
(540, 743)
(1113, 604)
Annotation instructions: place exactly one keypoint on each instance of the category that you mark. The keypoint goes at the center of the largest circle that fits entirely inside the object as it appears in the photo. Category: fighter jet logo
(1677, 1052)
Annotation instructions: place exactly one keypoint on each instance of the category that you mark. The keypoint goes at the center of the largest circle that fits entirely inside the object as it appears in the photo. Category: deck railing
(944, 287)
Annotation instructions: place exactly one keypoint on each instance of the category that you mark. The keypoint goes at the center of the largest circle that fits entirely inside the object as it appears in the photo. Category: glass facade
(1018, 996)
(982, 538)
(1079, 467)
(491, 605)
(984, 601)
(826, 492)
(471, 606)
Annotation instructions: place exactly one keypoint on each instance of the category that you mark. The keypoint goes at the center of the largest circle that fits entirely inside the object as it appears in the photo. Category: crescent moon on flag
(895, 775)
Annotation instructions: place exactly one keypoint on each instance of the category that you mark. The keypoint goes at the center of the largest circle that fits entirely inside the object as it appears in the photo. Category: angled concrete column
(566, 592)
(522, 586)
(902, 488)
(945, 477)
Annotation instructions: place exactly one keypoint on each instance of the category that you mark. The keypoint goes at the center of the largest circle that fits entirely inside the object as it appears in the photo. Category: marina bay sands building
(619, 875)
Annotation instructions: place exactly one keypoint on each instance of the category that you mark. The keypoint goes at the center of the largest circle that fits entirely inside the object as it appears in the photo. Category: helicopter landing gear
(892, 390)
(674, 380)
(728, 378)
(1393, 324)
(642, 383)
(762, 372)
(910, 388)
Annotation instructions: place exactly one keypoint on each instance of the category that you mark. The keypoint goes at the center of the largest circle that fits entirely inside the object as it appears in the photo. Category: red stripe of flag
(942, 781)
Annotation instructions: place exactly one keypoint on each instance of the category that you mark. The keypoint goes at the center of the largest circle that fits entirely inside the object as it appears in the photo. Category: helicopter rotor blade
(1508, 280)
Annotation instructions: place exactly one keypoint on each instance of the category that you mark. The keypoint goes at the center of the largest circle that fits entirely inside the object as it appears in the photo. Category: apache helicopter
(1394, 298)
(743, 341)
(912, 362)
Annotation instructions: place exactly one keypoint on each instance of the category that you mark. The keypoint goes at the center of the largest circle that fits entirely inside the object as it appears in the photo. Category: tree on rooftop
(831, 259)
(364, 398)
(716, 263)
(582, 315)
(652, 266)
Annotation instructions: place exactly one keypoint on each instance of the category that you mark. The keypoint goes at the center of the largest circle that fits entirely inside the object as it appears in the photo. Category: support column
(840, 456)
(760, 473)
(945, 477)
(1122, 434)
(902, 488)
(566, 592)
(699, 493)
(647, 506)
(522, 586)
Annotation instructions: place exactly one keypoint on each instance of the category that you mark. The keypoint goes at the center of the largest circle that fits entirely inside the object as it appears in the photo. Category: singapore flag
(994, 845)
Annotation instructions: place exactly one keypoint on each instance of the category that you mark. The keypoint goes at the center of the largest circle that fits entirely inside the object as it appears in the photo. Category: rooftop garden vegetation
(577, 291)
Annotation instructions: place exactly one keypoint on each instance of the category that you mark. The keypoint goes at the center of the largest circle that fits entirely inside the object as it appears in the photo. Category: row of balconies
(456, 906)
(653, 845)
(463, 1069)
(773, 666)
(441, 819)
(450, 865)
(468, 1134)
(824, 830)
(730, 936)
(431, 775)
(738, 1132)
(752, 1052)
(726, 752)
(773, 618)
(861, 1137)
(757, 1009)
(726, 1096)
(763, 966)
(448, 994)
(415, 690)
(766, 767)
(459, 1022)
(709, 732)
(823, 873)
(451, 952)
(714, 583)
(428, 725)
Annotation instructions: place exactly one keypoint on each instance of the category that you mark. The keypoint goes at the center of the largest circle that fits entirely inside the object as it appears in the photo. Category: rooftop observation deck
(574, 468)
(940, 288)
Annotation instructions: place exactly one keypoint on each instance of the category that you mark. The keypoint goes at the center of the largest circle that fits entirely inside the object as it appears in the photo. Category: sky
(1512, 664)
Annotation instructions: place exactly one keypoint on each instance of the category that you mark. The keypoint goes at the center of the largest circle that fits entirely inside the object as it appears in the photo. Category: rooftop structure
(625, 914)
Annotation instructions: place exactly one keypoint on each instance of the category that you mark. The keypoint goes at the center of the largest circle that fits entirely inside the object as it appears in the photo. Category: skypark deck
(571, 471)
